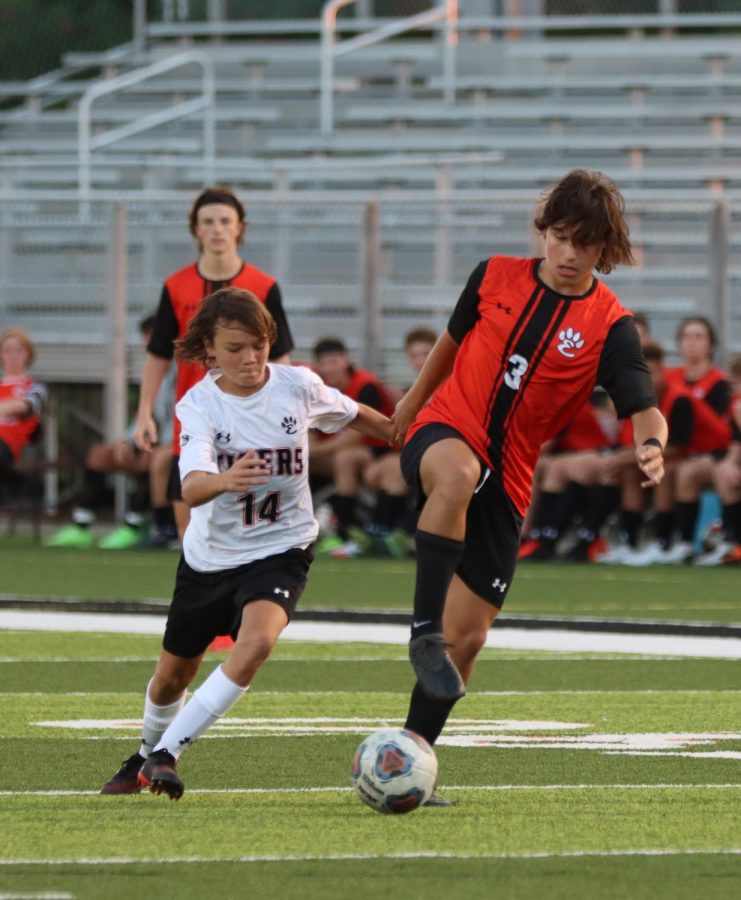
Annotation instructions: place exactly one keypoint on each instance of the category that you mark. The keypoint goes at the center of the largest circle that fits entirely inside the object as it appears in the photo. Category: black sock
(437, 560)
(732, 522)
(389, 511)
(605, 500)
(164, 517)
(344, 509)
(427, 716)
(664, 528)
(547, 502)
(630, 525)
(685, 513)
(572, 501)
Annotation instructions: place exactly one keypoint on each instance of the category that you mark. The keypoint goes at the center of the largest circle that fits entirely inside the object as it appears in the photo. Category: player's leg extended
(449, 472)
(466, 623)
(163, 700)
(262, 623)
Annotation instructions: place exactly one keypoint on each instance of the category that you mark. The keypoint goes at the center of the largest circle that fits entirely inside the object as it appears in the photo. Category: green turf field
(573, 777)
(657, 593)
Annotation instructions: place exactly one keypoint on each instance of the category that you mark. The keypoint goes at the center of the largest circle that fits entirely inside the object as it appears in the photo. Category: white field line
(36, 896)
(444, 788)
(351, 857)
(330, 632)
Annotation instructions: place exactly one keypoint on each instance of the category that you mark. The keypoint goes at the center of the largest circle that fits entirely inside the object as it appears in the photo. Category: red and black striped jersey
(183, 293)
(528, 360)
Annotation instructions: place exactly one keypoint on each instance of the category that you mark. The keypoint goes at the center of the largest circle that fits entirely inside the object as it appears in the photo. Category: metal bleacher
(654, 101)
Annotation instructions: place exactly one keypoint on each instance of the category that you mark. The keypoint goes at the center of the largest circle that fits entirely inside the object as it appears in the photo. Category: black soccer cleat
(125, 781)
(435, 670)
(436, 800)
(159, 775)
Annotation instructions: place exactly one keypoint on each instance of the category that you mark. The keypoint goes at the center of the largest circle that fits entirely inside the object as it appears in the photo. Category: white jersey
(218, 428)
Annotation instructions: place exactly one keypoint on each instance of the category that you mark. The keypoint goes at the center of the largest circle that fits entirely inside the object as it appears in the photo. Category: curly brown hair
(589, 206)
(227, 306)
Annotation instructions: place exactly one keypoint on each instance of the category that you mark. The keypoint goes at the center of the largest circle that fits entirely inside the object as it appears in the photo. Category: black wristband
(654, 442)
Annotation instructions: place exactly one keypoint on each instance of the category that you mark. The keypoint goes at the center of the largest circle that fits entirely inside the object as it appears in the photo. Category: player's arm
(439, 364)
(650, 432)
(373, 423)
(153, 374)
(280, 352)
(15, 409)
(248, 471)
(160, 351)
(624, 375)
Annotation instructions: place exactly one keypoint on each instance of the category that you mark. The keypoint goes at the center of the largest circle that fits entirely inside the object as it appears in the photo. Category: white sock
(156, 721)
(210, 702)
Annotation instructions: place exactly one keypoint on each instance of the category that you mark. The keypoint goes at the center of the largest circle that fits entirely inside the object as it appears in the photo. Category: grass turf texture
(528, 821)
(657, 593)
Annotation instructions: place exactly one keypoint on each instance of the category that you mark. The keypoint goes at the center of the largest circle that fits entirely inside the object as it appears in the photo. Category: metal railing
(204, 103)
(446, 13)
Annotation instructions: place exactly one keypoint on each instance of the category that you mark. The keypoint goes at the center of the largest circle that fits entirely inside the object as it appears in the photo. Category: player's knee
(468, 645)
(254, 649)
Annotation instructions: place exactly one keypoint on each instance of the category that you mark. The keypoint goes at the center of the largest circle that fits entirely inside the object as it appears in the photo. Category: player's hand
(123, 454)
(248, 471)
(651, 462)
(145, 432)
(404, 414)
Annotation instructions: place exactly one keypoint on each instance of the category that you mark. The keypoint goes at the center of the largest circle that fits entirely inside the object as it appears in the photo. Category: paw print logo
(289, 424)
(570, 340)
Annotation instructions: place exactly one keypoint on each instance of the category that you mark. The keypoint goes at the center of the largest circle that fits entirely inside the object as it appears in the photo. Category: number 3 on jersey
(268, 510)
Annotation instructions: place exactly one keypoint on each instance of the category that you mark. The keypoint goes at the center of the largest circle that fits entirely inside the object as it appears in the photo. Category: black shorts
(207, 604)
(493, 524)
(174, 485)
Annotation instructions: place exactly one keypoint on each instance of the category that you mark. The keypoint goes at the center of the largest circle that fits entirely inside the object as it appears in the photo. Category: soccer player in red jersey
(218, 222)
(523, 350)
(21, 398)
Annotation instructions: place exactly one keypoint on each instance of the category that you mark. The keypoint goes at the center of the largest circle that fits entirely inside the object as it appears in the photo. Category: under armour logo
(289, 424)
(281, 591)
(570, 340)
(223, 437)
(501, 586)
(507, 309)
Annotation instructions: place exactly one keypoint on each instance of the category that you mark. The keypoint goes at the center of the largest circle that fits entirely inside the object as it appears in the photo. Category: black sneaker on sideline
(125, 781)
(437, 800)
(159, 775)
(435, 670)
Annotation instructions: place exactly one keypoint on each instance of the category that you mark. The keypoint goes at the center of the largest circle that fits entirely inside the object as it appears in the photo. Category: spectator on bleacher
(389, 528)
(342, 458)
(217, 221)
(21, 398)
(697, 400)
(149, 467)
(727, 483)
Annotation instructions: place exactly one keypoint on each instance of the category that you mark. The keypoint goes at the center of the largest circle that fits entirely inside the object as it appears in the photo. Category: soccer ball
(394, 770)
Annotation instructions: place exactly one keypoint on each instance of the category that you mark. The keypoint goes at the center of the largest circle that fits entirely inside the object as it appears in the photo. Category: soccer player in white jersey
(249, 545)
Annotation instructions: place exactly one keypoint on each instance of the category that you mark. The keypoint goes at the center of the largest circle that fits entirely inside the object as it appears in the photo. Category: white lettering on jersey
(516, 368)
